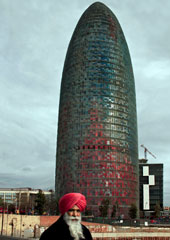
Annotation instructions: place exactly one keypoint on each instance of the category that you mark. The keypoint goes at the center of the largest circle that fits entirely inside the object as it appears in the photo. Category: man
(68, 226)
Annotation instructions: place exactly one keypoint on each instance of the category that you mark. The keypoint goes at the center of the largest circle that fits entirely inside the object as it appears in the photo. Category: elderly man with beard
(68, 226)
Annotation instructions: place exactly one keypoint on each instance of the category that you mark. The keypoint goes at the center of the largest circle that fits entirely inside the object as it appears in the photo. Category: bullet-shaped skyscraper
(97, 151)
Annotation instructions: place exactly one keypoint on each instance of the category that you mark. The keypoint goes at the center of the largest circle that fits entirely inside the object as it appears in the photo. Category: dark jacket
(60, 231)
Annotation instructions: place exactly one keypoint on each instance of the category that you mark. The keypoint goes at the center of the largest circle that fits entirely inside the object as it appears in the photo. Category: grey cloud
(33, 42)
(27, 169)
(23, 180)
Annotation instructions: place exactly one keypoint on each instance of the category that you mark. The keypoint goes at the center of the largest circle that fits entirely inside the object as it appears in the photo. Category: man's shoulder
(86, 232)
(84, 227)
(54, 229)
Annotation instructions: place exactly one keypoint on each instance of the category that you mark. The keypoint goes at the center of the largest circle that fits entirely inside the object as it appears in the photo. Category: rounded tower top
(97, 9)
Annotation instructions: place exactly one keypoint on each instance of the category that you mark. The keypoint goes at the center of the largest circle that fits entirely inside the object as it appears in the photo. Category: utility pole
(2, 224)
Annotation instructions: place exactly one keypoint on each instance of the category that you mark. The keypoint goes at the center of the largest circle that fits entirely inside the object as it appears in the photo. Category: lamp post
(2, 224)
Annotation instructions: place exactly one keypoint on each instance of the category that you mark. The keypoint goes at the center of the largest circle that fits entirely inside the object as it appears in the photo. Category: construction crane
(145, 151)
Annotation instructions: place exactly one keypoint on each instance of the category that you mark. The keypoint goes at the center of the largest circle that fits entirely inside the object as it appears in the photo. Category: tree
(11, 208)
(133, 211)
(40, 203)
(114, 209)
(1, 202)
(52, 206)
(103, 208)
(157, 210)
(88, 212)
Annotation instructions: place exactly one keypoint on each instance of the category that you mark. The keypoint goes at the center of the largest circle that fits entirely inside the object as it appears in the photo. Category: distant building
(166, 211)
(151, 185)
(22, 198)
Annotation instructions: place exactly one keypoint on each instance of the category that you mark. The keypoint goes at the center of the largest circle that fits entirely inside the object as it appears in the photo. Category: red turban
(71, 199)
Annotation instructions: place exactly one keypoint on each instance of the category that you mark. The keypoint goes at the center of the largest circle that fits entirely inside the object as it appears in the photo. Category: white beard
(75, 227)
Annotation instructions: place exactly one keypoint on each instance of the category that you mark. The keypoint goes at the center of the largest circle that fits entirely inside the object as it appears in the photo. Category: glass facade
(97, 151)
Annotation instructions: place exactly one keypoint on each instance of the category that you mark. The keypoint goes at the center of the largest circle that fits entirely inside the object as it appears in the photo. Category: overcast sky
(34, 36)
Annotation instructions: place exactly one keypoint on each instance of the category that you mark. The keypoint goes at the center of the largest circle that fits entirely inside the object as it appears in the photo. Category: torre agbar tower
(97, 153)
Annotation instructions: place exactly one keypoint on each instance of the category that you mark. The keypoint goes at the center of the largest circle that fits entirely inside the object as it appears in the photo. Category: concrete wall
(19, 225)
(25, 226)
(9, 238)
